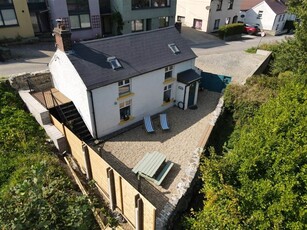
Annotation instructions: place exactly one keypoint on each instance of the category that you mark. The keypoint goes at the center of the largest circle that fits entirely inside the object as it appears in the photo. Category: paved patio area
(187, 131)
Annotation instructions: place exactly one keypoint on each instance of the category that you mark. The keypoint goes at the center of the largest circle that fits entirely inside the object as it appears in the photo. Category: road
(248, 41)
(35, 57)
(28, 58)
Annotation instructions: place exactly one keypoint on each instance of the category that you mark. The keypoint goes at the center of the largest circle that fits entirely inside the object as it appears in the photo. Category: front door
(192, 94)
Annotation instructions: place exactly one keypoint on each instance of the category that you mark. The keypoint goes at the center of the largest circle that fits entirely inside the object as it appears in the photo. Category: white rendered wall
(266, 22)
(67, 80)
(206, 11)
(147, 99)
(193, 9)
(180, 90)
(223, 14)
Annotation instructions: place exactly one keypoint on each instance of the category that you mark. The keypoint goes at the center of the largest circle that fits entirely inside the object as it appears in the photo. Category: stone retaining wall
(180, 201)
(40, 80)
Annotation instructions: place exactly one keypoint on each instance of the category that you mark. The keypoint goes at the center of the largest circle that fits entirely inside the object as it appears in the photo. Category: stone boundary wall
(41, 80)
(263, 65)
(180, 201)
(125, 197)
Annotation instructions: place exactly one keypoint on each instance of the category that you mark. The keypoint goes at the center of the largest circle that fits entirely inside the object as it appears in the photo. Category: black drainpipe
(185, 89)
(94, 117)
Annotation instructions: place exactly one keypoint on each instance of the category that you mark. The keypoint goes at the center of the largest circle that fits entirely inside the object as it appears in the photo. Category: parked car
(251, 29)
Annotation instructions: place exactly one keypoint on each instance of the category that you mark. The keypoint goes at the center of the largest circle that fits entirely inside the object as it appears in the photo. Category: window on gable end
(259, 16)
(115, 64)
(174, 48)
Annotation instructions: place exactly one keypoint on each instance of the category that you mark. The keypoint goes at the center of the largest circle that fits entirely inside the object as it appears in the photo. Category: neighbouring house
(269, 15)
(114, 82)
(207, 15)
(82, 17)
(144, 15)
(15, 19)
(39, 14)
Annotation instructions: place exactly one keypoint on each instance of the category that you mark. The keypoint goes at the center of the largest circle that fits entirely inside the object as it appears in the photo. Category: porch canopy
(188, 77)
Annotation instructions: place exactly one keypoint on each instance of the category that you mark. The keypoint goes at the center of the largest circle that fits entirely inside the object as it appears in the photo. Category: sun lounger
(148, 124)
(163, 122)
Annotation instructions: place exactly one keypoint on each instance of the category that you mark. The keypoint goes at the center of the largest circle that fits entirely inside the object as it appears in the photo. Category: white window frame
(124, 105)
(168, 72)
(167, 88)
(174, 48)
(124, 84)
(115, 64)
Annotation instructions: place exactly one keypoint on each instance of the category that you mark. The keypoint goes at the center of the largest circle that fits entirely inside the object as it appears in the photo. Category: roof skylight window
(115, 64)
(174, 48)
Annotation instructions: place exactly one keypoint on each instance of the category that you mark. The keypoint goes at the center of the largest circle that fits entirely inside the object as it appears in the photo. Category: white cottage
(270, 15)
(115, 82)
(207, 15)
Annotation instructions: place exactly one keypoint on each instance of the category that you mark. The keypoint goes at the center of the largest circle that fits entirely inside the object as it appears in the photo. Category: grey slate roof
(187, 77)
(278, 6)
(138, 53)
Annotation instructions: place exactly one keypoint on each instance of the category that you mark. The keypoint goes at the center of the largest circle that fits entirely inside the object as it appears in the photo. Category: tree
(261, 182)
(45, 199)
(34, 191)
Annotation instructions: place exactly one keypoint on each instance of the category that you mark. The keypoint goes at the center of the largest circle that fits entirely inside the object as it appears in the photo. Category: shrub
(231, 29)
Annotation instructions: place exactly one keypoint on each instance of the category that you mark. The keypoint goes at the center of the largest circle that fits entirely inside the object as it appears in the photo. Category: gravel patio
(179, 144)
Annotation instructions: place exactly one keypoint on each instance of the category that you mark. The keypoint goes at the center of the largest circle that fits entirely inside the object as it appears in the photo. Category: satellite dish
(207, 7)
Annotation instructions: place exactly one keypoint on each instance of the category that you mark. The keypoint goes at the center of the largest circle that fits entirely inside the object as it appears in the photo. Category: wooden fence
(121, 195)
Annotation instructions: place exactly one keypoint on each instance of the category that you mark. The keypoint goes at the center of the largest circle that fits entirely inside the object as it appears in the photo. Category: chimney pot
(62, 36)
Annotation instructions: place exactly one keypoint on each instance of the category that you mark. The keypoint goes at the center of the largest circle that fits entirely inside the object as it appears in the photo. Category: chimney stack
(62, 36)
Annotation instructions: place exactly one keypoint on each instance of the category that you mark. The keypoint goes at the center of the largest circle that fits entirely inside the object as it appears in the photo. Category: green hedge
(231, 29)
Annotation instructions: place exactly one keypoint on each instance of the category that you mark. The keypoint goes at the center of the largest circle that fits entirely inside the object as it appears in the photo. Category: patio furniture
(153, 167)
(148, 124)
(163, 122)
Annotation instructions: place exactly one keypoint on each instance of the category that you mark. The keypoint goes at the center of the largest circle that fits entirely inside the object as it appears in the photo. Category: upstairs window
(219, 5)
(174, 48)
(168, 72)
(115, 64)
(79, 14)
(259, 16)
(230, 4)
(124, 87)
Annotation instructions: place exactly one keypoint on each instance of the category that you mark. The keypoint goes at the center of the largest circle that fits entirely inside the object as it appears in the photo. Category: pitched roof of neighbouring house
(278, 6)
(137, 53)
(248, 4)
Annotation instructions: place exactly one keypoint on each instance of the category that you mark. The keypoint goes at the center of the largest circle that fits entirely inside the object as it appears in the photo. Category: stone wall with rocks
(185, 188)
(38, 81)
